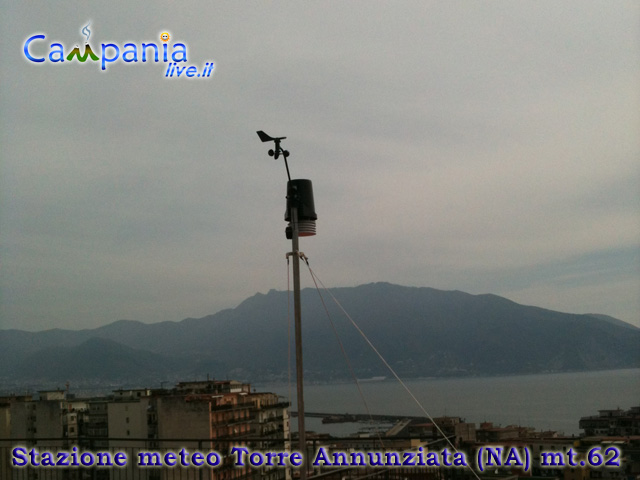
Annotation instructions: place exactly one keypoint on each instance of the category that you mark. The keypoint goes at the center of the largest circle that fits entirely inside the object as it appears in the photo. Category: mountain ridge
(421, 331)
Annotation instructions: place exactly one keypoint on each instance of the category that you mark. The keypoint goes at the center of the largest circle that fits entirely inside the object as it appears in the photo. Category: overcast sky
(489, 147)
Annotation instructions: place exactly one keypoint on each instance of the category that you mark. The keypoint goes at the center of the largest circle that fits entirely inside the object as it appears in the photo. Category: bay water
(547, 401)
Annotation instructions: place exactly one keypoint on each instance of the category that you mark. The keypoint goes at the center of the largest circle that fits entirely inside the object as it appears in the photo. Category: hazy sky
(489, 147)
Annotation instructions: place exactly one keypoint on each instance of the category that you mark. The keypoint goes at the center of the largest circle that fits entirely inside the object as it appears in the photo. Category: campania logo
(175, 54)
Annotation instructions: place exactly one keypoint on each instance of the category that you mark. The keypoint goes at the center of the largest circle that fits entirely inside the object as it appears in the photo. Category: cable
(389, 368)
(344, 352)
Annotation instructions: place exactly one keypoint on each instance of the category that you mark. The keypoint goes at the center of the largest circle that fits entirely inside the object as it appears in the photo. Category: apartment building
(197, 416)
(612, 423)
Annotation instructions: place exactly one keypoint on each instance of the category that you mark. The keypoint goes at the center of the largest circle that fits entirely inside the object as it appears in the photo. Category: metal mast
(301, 216)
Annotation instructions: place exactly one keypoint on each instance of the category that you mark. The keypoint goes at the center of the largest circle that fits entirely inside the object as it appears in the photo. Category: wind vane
(275, 152)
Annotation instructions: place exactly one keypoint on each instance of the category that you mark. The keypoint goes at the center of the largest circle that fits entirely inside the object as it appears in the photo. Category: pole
(302, 442)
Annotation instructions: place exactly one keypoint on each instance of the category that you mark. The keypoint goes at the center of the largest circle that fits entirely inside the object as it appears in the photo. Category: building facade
(200, 416)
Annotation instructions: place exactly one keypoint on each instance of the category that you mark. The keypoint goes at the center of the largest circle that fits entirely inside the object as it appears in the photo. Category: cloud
(491, 148)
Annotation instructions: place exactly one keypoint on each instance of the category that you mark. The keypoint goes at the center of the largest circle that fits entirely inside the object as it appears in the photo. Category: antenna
(301, 215)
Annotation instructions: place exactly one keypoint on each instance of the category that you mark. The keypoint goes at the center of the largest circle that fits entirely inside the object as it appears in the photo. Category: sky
(488, 147)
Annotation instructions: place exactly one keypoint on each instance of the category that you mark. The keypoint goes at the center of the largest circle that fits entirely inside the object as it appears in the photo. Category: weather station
(301, 217)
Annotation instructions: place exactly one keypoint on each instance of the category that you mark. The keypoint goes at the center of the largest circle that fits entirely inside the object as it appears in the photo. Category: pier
(356, 417)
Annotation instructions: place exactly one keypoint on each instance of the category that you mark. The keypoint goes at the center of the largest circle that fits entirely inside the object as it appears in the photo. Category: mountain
(613, 320)
(420, 332)
(95, 358)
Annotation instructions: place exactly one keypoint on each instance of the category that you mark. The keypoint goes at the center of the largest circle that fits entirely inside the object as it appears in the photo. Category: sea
(554, 401)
